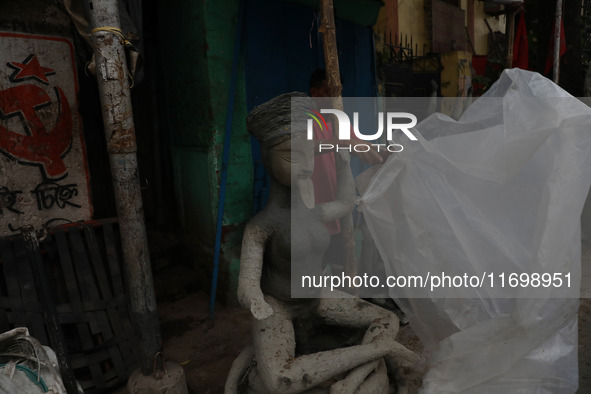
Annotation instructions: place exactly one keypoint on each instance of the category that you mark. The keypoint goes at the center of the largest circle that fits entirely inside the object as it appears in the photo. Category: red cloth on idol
(324, 176)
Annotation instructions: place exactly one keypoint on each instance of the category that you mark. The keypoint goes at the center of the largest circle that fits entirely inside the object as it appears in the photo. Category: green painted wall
(197, 51)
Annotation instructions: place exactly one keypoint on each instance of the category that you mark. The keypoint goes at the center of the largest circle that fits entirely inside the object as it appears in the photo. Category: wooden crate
(82, 263)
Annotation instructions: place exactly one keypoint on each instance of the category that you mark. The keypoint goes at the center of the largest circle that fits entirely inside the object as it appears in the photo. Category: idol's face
(291, 163)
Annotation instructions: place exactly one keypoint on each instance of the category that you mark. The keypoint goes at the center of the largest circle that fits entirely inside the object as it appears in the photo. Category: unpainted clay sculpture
(268, 252)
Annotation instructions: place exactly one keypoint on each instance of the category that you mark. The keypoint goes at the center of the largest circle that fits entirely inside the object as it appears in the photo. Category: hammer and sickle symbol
(38, 147)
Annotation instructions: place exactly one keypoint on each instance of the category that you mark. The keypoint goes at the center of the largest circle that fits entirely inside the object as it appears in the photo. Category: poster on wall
(44, 179)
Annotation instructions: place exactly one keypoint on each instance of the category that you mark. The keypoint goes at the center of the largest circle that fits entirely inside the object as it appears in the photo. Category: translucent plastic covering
(500, 190)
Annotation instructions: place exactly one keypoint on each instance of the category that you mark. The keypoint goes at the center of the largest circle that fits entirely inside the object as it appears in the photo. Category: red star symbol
(30, 68)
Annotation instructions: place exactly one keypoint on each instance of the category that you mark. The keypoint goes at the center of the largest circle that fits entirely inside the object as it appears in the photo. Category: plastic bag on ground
(27, 367)
(500, 190)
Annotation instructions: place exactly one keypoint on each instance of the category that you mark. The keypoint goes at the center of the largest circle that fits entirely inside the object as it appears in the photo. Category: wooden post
(331, 55)
(333, 79)
(510, 34)
(470, 25)
(557, 26)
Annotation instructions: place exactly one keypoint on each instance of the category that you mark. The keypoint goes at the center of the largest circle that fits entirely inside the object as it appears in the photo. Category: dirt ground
(206, 350)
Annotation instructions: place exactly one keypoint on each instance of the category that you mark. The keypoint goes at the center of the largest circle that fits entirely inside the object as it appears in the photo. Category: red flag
(520, 47)
(550, 58)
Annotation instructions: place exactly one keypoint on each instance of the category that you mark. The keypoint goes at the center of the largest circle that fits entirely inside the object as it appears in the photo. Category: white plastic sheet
(500, 189)
(27, 367)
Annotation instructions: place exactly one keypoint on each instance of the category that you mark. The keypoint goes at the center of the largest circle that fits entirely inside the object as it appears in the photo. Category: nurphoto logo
(344, 130)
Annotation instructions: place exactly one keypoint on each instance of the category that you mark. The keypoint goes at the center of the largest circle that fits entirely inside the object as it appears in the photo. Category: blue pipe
(225, 159)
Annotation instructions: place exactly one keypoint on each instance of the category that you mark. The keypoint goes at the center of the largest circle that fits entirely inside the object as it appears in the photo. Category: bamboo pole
(557, 27)
(510, 34)
(333, 79)
(331, 55)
